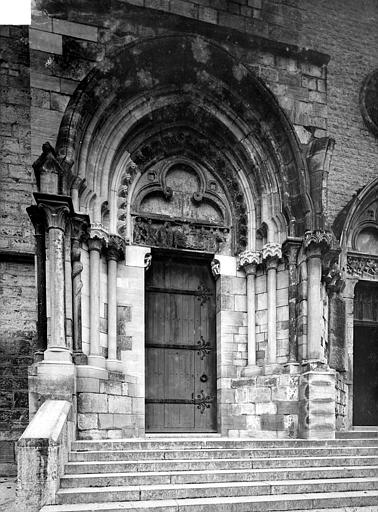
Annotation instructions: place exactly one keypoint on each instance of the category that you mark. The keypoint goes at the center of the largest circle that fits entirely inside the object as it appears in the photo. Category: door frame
(188, 255)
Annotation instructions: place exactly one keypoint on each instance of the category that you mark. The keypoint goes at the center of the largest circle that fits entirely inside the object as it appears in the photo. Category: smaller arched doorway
(359, 240)
(365, 354)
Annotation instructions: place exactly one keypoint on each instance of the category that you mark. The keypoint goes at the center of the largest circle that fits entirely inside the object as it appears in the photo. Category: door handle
(204, 378)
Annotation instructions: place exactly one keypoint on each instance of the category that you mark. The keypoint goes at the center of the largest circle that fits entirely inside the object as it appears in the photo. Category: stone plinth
(317, 402)
(51, 380)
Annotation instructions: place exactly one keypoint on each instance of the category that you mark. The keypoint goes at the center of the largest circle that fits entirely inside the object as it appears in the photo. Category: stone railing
(42, 451)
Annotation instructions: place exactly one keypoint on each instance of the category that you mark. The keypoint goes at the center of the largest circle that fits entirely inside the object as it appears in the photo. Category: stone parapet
(42, 452)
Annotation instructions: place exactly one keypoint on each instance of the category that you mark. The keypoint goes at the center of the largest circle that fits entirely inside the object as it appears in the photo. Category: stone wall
(17, 320)
(65, 49)
(17, 292)
(111, 403)
(106, 404)
(341, 402)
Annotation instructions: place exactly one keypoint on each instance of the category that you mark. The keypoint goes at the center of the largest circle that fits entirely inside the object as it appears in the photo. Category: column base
(57, 355)
(114, 365)
(98, 361)
(94, 372)
(80, 358)
(51, 379)
(251, 371)
(292, 368)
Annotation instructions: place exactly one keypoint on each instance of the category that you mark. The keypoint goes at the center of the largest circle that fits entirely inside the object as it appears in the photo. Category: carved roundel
(369, 101)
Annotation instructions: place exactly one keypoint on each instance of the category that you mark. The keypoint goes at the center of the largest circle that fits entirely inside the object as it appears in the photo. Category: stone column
(317, 381)
(290, 250)
(248, 260)
(114, 253)
(56, 214)
(79, 224)
(37, 218)
(271, 254)
(97, 240)
(316, 243)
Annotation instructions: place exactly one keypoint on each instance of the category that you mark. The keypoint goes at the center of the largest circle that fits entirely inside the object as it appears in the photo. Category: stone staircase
(200, 474)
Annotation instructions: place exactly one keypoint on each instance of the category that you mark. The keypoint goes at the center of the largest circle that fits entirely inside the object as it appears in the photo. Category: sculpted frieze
(363, 267)
(181, 235)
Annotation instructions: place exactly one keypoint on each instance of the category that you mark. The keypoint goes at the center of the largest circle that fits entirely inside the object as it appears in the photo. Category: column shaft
(112, 309)
(251, 312)
(314, 270)
(56, 289)
(94, 302)
(272, 314)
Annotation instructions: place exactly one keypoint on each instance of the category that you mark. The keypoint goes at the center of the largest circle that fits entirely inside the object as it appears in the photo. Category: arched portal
(357, 227)
(176, 150)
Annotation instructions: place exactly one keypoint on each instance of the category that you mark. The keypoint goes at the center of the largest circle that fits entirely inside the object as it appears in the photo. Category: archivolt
(187, 90)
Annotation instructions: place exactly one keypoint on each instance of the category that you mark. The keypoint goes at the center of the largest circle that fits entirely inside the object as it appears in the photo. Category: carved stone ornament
(290, 249)
(147, 261)
(79, 226)
(369, 101)
(334, 279)
(179, 234)
(362, 267)
(215, 268)
(319, 238)
(116, 248)
(55, 214)
(271, 250)
(98, 231)
(247, 258)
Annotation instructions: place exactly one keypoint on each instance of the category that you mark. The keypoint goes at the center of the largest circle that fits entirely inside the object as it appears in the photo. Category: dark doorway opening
(365, 355)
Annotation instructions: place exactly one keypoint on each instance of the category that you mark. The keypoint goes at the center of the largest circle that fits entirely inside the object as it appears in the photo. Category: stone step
(316, 502)
(357, 434)
(217, 453)
(200, 464)
(222, 476)
(215, 490)
(221, 443)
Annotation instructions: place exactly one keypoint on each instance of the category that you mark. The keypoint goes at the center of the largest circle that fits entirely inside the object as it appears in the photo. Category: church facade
(190, 218)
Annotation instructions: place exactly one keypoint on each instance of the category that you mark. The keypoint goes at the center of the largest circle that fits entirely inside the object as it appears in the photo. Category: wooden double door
(180, 345)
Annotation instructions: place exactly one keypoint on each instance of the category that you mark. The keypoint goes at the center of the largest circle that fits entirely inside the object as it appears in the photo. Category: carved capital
(56, 215)
(271, 251)
(98, 232)
(147, 261)
(116, 248)
(290, 249)
(318, 239)
(215, 268)
(79, 226)
(248, 261)
(95, 244)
